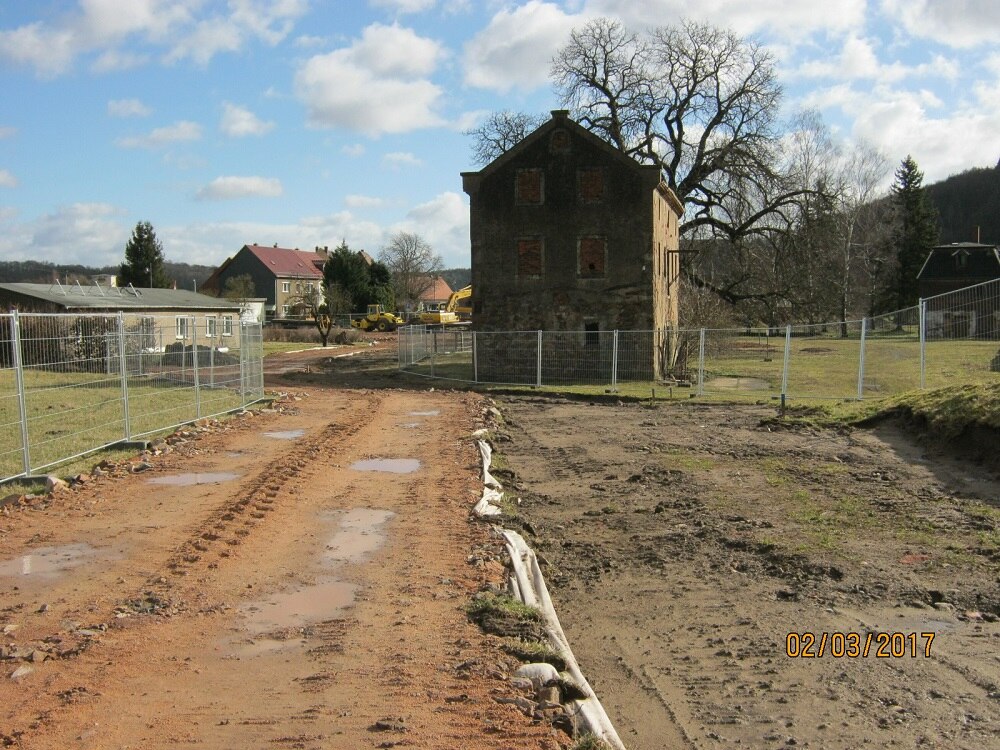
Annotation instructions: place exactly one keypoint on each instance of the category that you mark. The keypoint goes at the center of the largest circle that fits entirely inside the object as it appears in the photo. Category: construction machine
(377, 319)
(460, 303)
(437, 315)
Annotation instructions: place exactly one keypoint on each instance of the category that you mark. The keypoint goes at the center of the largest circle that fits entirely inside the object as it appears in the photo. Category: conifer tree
(916, 230)
(143, 266)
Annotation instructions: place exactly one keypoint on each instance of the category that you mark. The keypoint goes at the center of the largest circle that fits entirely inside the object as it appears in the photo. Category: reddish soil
(299, 602)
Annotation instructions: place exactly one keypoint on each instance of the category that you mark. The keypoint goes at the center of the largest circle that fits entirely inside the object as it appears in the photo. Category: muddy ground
(290, 597)
(684, 543)
(259, 582)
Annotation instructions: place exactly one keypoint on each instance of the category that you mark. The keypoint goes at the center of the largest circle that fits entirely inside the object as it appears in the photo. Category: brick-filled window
(593, 254)
(530, 189)
(590, 185)
(529, 257)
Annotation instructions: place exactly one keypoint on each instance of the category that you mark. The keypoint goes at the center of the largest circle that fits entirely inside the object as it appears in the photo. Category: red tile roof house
(280, 275)
(436, 293)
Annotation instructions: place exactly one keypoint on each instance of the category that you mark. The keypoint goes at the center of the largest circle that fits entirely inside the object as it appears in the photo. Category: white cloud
(363, 201)
(238, 122)
(404, 6)
(128, 108)
(377, 85)
(116, 60)
(791, 19)
(7, 132)
(305, 41)
(231, 188)
(112, 29)
(95, 232)
(354, 150)
(159, 137)
(959, 23)
(516, 48)
(7, 179)
(397, 159)
(444, 222)
(917, 122)
(858, 59)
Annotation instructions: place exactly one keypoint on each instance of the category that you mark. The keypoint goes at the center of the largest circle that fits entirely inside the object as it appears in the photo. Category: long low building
(209, 313)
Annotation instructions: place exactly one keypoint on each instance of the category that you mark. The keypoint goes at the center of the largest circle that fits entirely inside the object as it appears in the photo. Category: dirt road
(685, 543)
(292, 579)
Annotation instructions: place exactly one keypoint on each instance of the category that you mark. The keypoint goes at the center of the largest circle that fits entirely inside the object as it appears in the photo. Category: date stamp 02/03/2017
(850, 645)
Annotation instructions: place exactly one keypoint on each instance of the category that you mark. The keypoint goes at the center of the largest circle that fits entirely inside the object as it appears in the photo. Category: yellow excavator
(377, 319)
(456, 310)
(460, 303)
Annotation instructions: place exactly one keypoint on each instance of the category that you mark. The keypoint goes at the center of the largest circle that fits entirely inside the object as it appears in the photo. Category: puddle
(433, 413)
(295, 609)
(409, 425)
(390, 465)
(185, 480)
(286, 434)
(48, 561)
(360, 534)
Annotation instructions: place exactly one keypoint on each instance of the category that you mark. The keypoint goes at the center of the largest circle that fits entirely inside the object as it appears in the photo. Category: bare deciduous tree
(500, 132)
(699, 101)
(323, 303)
(414, 267)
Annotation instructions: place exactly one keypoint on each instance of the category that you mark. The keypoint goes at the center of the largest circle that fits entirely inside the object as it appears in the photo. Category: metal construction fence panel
(71, 384)
(945, 339)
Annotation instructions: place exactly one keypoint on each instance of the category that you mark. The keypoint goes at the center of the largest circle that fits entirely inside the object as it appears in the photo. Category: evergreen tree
(363, 284)
(143, 266)
(916, 230)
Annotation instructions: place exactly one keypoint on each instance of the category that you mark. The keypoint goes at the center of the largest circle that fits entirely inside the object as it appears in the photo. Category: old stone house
(570, 234)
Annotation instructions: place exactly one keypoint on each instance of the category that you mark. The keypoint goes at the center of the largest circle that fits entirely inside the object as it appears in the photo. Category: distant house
(436, 293)
(570, 234)
(974, 313)
(280, 275)
(191, 311)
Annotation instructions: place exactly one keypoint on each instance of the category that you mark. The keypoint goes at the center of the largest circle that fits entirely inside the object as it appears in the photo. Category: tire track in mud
(236, 521)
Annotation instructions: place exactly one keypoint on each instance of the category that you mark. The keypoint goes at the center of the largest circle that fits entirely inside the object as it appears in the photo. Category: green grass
(820, 367)
(73, 413)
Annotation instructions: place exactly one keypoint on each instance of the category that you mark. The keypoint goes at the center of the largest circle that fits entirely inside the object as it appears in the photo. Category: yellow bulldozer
(458, 309)
(377, 319)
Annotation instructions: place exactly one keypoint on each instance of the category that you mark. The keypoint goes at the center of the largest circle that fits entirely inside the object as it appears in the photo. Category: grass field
(72, 413)
(819, 367)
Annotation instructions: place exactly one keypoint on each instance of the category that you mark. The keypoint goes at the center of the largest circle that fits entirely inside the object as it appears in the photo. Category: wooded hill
(33, 271)
(968, 200)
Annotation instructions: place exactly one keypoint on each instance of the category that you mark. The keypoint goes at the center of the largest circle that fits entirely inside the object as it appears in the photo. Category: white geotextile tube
(528, 585)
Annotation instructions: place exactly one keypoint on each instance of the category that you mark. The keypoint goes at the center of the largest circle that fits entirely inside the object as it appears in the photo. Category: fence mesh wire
(947, 339)
(71, 384)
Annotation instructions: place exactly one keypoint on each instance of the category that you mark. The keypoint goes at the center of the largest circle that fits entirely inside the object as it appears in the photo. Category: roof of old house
(439, 290)
(561, 119)
(283, 261)
(962, 260)
(96, 297)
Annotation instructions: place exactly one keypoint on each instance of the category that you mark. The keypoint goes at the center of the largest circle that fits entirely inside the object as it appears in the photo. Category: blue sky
(305, 122)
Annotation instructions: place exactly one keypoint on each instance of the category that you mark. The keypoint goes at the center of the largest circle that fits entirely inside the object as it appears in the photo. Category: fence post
(861, 360)
(614, 363)
(434, 348)
(243, 368)
(194, 364)
(538, 376)
(784, 366)
(15, 335)
(475, 359)
(123, 367)
(701, 363)
(923, 343)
